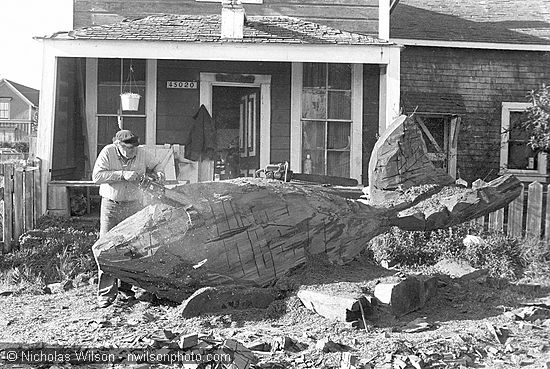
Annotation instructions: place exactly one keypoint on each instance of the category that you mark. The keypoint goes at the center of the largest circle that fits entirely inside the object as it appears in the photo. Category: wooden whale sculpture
(251, 231)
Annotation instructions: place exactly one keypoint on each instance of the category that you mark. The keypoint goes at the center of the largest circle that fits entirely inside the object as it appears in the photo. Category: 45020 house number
(182, 84)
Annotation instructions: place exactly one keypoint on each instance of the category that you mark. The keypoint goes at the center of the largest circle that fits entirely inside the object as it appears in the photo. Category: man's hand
(161, 177)
(130, 175)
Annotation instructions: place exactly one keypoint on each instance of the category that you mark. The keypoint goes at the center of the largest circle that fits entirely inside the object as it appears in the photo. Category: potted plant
(129, 100)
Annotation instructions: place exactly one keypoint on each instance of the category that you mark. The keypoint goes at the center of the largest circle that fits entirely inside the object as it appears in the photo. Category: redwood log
(252, 231)
(243, 231)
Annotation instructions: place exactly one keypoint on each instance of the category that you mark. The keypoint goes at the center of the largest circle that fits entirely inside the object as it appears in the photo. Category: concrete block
(406, 295)
(343, 308)
(459, 269)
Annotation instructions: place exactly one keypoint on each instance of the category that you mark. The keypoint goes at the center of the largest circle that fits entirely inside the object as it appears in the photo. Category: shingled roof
(495, 21)
(206, 28)
(29, 93)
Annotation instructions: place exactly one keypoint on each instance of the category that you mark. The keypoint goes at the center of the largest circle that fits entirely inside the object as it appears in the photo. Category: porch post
(390, 89)
(151, 103)
(265, 124)
(44, 146)
(356, 152)
(295, 117)
(91, 108)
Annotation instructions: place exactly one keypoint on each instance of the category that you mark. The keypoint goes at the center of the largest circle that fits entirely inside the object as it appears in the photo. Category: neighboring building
(279, 87)
(18, 111)
(470, 64)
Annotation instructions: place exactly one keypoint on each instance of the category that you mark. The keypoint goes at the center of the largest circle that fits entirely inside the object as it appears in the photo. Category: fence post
(18, 213)
(7, 216)
(496, 220)
(28, 187)
(37, 191)
(515, 215)
(534, 210)
(475, 185)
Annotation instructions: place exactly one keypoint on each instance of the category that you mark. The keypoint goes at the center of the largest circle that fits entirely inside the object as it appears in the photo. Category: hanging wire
(130, 80)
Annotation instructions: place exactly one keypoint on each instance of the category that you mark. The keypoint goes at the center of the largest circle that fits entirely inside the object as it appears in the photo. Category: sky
(20, 21)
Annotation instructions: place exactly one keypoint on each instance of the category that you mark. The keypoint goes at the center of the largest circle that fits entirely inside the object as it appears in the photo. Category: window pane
(314, 103)
(317, 161)
(138, 66)
(338, 136)
(520, 155)
(111, 83)
(106, 129)
(136, 125)
(313, 135)
(108, 100)
(313, 143)
(339, 104)
(517, 132)
(4, 110)
(314, 75)
(339, 76)
(108, 70)
(338, 163)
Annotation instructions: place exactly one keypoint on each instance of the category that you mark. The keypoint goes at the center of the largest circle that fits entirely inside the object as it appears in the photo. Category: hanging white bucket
(129, 101)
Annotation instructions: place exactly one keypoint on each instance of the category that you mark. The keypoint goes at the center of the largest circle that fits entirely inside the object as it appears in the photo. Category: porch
(271, 102)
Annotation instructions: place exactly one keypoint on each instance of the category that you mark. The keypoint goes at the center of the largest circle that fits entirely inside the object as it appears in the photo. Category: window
(114, 77)
(326, 118)
(5, 108)
(516, 156)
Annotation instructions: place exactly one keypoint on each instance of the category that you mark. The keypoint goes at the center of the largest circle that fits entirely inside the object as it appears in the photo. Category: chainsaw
(276, 171)
(282, 172)
(150, 184)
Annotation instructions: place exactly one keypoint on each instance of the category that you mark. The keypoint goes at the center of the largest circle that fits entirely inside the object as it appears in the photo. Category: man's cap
(126, 136)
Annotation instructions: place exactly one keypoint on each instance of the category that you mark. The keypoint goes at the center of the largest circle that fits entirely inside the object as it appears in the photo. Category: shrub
(538, 119)
(504, 256)
(57, 250)
(417, 247)
(20, 146)
(499, 253)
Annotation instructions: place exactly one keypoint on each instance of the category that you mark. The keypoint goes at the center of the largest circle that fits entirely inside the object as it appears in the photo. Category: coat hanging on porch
(202, 139)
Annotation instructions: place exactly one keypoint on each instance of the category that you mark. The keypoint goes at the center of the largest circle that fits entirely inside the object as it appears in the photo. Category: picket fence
(21, 201)
(527, 216)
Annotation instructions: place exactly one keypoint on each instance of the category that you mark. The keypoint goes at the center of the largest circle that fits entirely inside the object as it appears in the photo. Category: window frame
(326, 120)
(525, 175)
(7, 101)
(120, 114)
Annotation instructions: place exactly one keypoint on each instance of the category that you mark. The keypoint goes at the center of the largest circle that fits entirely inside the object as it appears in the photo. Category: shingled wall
(484, 79)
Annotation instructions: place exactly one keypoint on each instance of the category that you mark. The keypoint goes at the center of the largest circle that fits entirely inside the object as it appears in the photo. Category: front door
(236, 113)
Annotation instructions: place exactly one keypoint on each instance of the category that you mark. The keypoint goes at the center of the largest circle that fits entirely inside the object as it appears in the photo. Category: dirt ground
(459, 318)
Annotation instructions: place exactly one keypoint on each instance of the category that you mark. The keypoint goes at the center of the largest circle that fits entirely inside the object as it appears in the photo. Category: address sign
(182, 84)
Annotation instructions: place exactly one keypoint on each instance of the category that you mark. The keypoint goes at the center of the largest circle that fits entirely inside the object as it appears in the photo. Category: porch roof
(206, 28)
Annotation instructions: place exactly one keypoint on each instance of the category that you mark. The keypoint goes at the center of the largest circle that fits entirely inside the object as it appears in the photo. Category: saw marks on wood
(255, 245)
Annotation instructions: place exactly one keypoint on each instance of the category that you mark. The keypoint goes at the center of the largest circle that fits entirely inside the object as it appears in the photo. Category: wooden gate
(21, 202)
